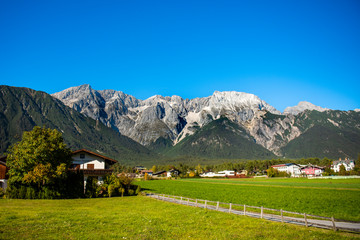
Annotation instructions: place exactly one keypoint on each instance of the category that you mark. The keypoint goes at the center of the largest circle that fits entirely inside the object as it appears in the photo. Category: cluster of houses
(142, 171)
(296, 170)
(293, 169)
(97, 165)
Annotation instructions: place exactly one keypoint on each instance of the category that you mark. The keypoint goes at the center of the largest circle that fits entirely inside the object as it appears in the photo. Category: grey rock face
(301, 107)
(174, 118)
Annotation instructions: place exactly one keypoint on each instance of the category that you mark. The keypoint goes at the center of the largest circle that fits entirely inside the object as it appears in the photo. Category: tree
(342, 171)
(41, 158)
(154, 169)
(272, 172)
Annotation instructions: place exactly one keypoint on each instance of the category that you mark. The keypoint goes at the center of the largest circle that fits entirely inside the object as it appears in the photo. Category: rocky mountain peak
(240, 100)
(302, 106)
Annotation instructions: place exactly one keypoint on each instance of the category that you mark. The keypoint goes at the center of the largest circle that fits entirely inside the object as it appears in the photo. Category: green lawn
(338, 198)
(138, 218)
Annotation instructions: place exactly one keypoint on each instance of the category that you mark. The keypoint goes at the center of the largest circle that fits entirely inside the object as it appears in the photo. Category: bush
(2, 193)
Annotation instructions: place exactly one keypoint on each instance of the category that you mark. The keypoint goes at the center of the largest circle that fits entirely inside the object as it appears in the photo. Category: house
(291, 168)
(224, 173)
(139, 168)
(312, 170)
(208, 174)
(173, 173)
(160, 174)
(3, 173)
(347, 163)
(143, 172)
(91, 164)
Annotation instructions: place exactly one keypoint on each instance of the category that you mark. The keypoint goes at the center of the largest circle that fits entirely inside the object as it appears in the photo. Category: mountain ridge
(22, 108)
(158, 122)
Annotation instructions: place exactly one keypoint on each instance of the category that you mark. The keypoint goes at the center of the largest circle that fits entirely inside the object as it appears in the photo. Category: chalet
(208, 174)
(224, 173)
(91, 164)
(143, 172)
(160, 174)
(347, 163)
(3, 173)
(139, 168)
(291, 168)
(312, 170)
(173, 173)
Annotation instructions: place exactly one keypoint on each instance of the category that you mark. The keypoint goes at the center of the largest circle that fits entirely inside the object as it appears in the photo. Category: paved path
(347, 226)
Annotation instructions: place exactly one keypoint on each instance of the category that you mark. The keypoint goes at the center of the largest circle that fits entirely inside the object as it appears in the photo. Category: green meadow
(339, 198)
(138, 218)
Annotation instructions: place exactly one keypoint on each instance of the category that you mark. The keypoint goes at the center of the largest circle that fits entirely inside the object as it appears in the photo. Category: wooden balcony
(93, 172)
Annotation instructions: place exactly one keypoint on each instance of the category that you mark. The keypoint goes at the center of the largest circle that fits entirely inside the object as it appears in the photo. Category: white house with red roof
(291, 168)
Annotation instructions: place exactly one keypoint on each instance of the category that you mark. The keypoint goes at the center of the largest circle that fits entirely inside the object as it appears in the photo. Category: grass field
(325, 197)
(138, 218)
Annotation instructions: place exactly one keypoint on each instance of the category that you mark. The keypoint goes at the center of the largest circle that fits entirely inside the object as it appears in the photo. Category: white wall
(3, 183)
(99, 163)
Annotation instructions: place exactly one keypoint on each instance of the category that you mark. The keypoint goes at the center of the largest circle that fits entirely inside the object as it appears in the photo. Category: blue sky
(282, 51)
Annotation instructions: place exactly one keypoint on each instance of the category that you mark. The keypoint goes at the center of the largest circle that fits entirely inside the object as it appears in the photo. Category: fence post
(333, 222)
(188, 201)
(306, 222)
(217, 206)
(244, 209)
(262, 211)
(282, 216)
(230, 207)
(205, 203)
(181, 200)
(196, 203)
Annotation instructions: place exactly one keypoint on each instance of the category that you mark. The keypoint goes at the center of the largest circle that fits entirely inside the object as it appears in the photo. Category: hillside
(21, 109)
(325, 134)
(221, 139)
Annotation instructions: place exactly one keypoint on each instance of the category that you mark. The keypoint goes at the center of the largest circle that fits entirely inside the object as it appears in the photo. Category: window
(90, 166)
(82, 155)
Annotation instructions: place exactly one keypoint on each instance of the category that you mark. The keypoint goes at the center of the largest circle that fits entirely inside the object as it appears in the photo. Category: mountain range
(164, 124)
(225, 125)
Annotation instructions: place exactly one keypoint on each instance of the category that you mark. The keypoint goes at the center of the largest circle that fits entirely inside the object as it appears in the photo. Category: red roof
(95, 154)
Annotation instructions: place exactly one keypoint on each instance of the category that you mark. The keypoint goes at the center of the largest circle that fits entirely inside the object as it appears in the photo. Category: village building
(347, 163)
(160, 174)
(312, 170)
(291, 168)
(208, 174)
(143, 172)
(225, 173)
(91, 164)
(3, 173)
(139, 168)
(173, 173)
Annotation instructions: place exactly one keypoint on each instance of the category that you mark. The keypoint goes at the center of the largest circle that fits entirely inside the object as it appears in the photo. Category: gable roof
(95, 154)
(285, 164)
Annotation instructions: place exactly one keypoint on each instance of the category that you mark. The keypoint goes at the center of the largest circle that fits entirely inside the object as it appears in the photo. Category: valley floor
(138, 218)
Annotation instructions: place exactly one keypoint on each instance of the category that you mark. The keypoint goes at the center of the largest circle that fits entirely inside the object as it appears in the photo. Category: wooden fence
(277, 215)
